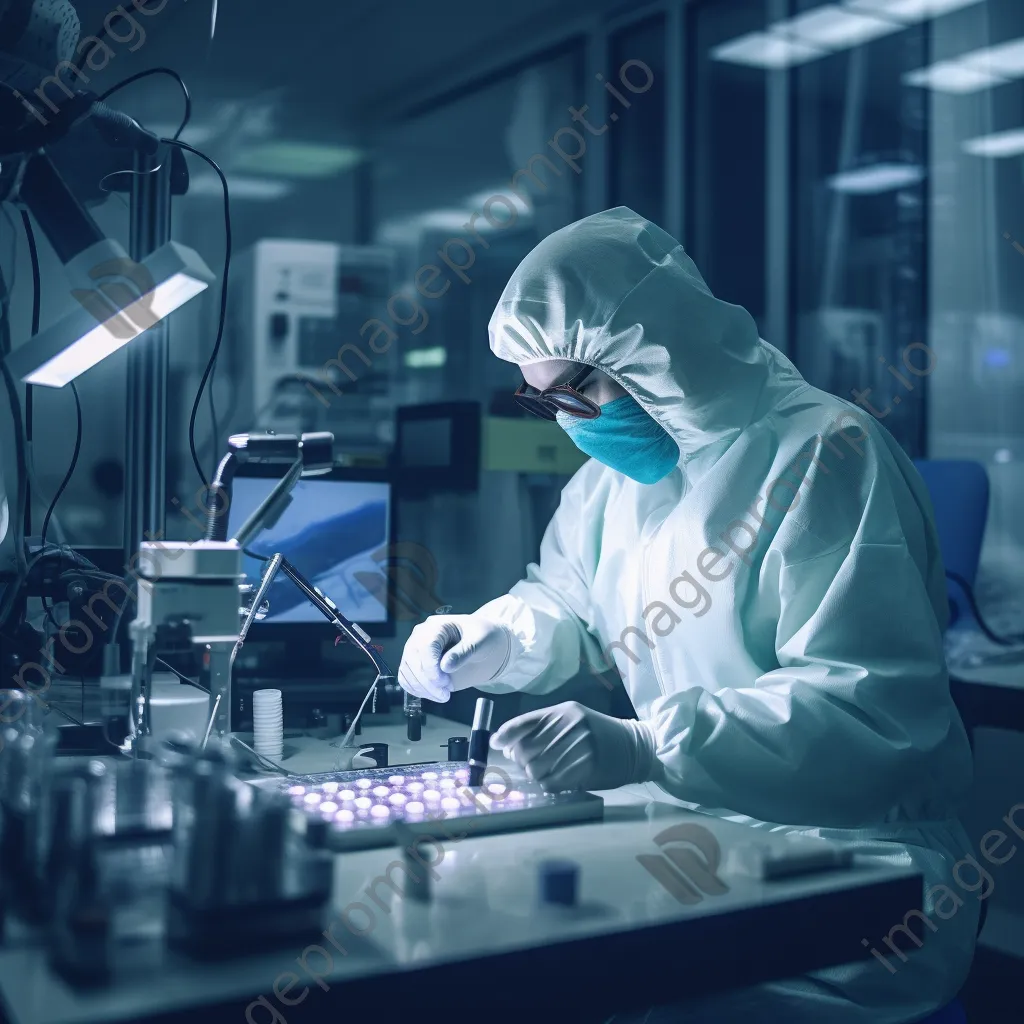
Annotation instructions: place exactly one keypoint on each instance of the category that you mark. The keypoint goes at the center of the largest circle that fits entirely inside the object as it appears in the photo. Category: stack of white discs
(268, 723)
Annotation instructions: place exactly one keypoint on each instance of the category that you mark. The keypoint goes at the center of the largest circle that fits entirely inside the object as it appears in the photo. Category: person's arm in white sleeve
(546, 612)
(534, 638)
(846, 728)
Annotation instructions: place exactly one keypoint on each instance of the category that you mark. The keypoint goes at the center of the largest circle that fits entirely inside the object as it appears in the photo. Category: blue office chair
(954, 1013)
(959, 492)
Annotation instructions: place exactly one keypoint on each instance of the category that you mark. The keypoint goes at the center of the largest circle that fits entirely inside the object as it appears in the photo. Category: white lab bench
(485, 945)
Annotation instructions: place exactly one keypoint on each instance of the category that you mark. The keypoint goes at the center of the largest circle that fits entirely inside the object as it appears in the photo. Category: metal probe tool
(479, 740)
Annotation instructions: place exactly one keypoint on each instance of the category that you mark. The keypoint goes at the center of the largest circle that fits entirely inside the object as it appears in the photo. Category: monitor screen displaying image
(335, 532)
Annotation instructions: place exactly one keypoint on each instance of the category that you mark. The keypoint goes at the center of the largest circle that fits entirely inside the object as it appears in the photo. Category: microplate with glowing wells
(361, 807)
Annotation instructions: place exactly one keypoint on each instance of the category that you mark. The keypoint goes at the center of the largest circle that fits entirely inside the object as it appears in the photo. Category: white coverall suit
(788, 582)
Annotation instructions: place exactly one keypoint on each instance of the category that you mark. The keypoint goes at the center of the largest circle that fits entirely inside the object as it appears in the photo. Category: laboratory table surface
(486, 946)
(991, 695)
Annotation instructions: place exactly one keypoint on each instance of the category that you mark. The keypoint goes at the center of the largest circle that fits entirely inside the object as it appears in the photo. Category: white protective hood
(617, 292)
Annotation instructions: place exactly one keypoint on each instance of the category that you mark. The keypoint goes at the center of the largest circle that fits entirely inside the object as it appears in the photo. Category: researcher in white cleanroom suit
(759, 559)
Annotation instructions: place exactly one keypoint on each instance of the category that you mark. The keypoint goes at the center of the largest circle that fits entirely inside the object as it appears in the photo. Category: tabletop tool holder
(107, 863)
(243, 877)
(29, 742)
(192, 592)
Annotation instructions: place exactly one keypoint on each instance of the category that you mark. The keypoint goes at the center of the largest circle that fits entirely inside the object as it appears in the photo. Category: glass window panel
(858, 219)
(976, 278)
(637, 167)
(725, 217)
(904, 238)
(462, 191)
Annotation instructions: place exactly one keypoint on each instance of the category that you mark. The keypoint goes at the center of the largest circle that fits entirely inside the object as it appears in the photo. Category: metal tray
(361, 808)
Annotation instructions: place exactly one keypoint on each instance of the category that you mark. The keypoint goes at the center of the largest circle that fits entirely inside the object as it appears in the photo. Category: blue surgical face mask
(626, 439)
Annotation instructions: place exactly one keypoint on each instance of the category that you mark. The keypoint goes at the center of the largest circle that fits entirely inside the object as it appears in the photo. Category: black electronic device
(437, 448)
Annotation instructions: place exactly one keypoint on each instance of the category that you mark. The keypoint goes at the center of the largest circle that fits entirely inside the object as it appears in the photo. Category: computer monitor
(337, 531)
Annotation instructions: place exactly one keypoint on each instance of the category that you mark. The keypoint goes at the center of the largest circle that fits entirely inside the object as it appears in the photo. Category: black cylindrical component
(65, 222)
(377, 751)
(317, 833)
(414, 728)
(273, 816)
(317, 451)
(480, 739)
(212, 834)
(559, 881)
(133, 781)
(458, 748)
(66, 830)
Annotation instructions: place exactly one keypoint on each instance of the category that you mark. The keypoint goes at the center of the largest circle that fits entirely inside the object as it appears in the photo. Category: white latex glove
(453, 652)
(568, 746)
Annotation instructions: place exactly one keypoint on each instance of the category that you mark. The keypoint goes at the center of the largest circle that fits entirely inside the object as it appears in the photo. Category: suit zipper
(645, 561)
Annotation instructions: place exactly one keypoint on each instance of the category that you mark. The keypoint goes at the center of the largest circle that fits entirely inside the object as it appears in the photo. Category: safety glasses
(561, 398)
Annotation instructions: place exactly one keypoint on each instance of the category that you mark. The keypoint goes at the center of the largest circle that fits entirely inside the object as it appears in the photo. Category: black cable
(181, 675)
(186, 117)
(33, 253)
(71, 468)
(215, 428)
(7, 287)
(252, 554)
(60, 711)
(208, 372)
(36, 305)
(5, 322)
(120, 615)
(1002, 641)
(60, 491)
(17, 513)
(62, 550)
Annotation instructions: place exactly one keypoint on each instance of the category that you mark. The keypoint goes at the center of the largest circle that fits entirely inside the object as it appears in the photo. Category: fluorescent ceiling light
(1005, 60)
(909, 10)
(834, 28)
(500, 200)
(297, 159)
(444, 220)
(397, 232)
(406, 230)
(952, 76)
(426, 358)
(1008, 143)
(239, 188)
(81, 339)
(876, 178)
(763, 50)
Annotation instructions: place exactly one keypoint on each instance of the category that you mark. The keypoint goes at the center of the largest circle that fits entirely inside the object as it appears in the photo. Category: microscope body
(193, 584)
